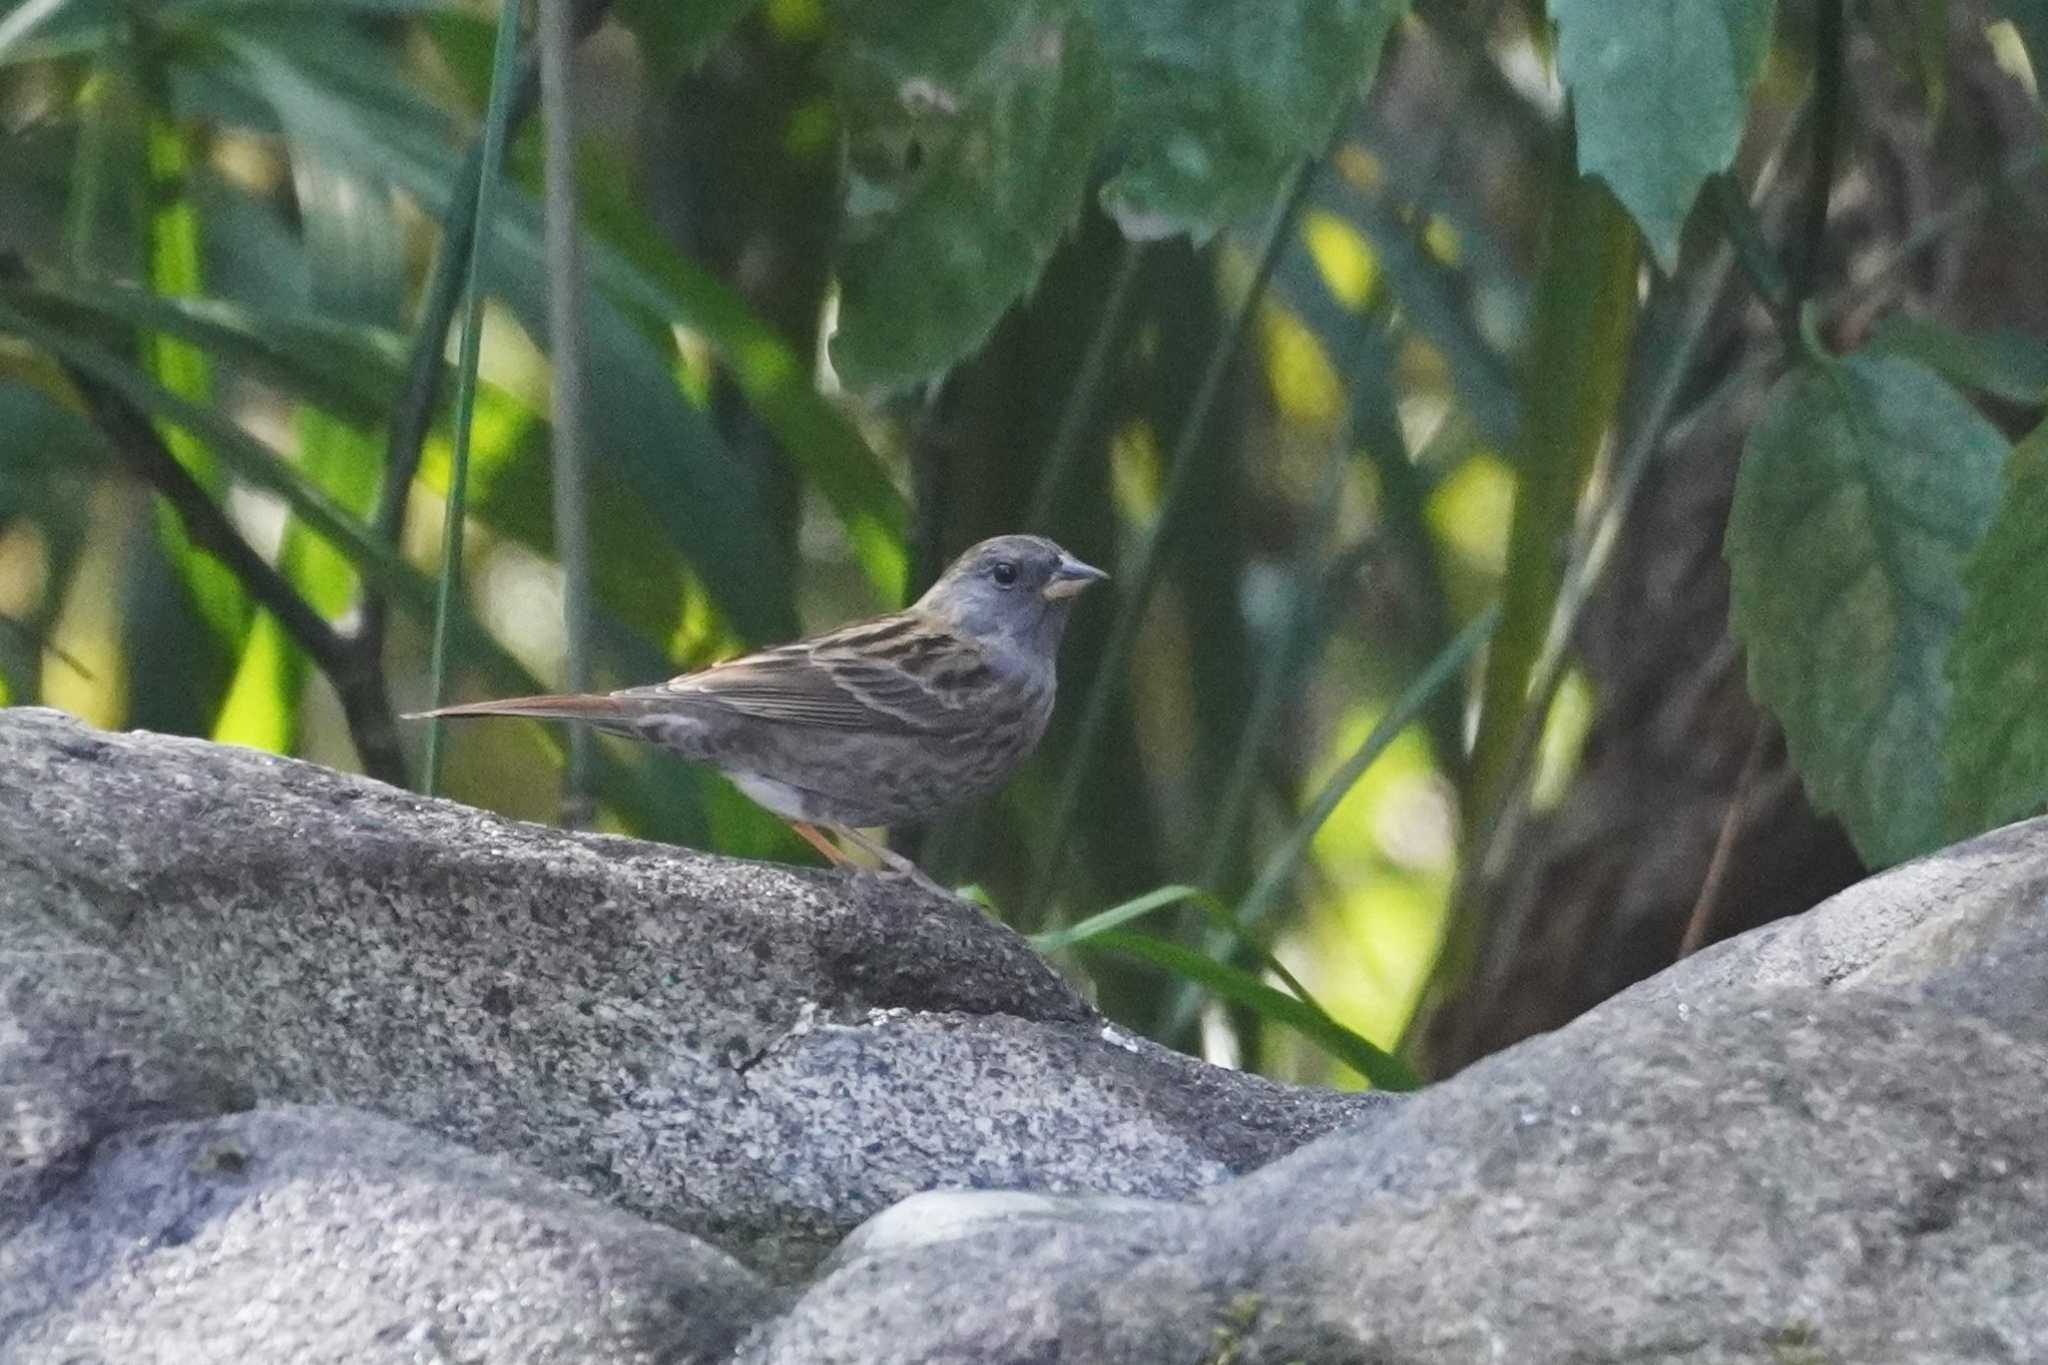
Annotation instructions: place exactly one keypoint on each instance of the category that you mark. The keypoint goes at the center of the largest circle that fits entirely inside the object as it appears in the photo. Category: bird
(886, 721)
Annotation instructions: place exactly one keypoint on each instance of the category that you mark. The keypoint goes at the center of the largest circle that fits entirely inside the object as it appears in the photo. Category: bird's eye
(1004, 573)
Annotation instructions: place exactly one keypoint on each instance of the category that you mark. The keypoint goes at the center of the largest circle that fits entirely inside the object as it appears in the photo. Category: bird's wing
(902, 674)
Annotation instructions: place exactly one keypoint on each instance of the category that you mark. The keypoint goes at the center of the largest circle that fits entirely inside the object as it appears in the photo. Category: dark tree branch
(136, 441)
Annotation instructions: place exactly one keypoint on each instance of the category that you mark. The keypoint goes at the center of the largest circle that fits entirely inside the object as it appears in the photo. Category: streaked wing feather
(886, 676)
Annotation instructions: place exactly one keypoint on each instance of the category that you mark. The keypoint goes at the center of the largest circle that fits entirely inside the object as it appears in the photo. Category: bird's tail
(564, 706)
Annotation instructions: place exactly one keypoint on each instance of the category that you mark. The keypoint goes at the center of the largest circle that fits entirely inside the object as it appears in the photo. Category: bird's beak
(1071, 577)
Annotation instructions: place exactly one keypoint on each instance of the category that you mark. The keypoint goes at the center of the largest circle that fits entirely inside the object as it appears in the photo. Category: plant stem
(1699, 924)
(569, 353)
(497, 121)
(1811, 247)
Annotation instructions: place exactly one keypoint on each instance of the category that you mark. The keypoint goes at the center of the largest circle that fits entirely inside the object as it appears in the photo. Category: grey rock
(938, 1216)
(1826, 1142)
(328, 1235)
(758, 1055)
(89, 1047)
(1845, 1163)
(1901, 927)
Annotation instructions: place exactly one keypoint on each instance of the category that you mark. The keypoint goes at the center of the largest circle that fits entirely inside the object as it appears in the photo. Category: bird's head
(1016, 589)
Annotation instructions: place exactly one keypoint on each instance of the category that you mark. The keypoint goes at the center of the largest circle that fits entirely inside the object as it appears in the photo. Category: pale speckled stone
(762, 1056)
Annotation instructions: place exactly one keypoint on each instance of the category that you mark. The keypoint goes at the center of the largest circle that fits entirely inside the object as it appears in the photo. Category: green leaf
(1383, 1069)
(2006, 364)
(171, 233)
(1216, 100)
(1997, 749)
(2030, 18)
(41, 29)
(971, 130)
(1115, 917)
(350, 370)
(1660, 90)
(1864, 486)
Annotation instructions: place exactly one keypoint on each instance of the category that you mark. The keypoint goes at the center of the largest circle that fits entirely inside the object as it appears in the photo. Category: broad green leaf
(971, 131)
(1660, 90)
(1865, 485)
(2006, 364)
(631, 259)
(1383, 1069)
(348, 369)
(1997, 749)
(2030, 18)
(1216, 100)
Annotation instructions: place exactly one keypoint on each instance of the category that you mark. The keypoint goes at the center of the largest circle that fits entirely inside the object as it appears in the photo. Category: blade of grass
(497, 117)
(1382, 1069)
(1285, 861)
(1281, 865)
(1115, 917)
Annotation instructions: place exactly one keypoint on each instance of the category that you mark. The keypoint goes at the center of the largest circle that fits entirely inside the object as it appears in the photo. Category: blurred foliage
(1182, 285)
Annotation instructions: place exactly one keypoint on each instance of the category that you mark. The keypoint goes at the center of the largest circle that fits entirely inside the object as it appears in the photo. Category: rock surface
(760, 1056)
(251, 1014)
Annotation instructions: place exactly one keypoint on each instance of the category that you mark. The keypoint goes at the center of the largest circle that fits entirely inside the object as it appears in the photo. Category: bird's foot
(911, 872)
(894, 866)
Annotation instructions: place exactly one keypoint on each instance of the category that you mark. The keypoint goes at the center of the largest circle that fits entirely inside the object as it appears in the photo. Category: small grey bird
(882, 722)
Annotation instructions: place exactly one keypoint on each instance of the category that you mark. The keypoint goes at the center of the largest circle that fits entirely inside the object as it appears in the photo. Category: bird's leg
(894, 862)
(811, 835)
